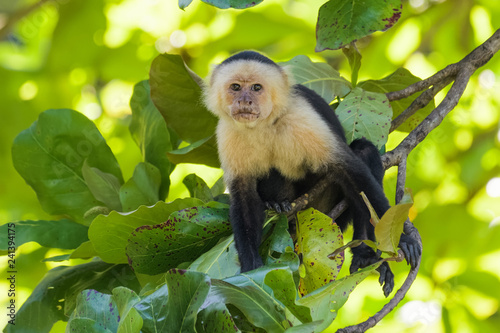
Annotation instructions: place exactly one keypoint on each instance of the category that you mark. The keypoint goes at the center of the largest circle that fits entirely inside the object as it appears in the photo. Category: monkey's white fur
(289, 134)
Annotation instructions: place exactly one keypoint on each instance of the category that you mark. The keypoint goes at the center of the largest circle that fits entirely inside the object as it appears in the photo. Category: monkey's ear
(209, 80)
(288, 75)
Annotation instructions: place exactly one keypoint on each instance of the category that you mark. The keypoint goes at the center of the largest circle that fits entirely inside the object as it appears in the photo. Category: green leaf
(184, 3)
(178, 97)
(50, 154)
(219, 187)
(104, 186)
(318, 76)
(341, 22)
(216, 318)
(142, 189)
(153, 310)
(375, 219)
(354, 57)
(62, 234)
(198, 188)
(284, 290)
(219, 262)
(187, 292)
(327, 300)
(317, 235)
(305, 328)
(203, 151)
(87, 325)
(109, 234)
(54, 298)
(367, 115)
(276, 240)
(250, 298)
(185, 236)
(97, 311)
(129, 319)
(150, 132)
(237, 4)
(399, 80)
(388, 231)
(84, 251)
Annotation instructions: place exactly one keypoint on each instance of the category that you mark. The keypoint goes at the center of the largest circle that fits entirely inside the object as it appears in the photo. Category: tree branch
(458, 73)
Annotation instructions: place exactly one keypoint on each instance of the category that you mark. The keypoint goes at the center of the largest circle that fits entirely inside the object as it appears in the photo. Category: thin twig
(419, 103)
(398, 296)
(401, 181)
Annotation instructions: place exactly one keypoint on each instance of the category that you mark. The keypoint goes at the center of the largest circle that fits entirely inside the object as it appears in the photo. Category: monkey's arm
(247, 216)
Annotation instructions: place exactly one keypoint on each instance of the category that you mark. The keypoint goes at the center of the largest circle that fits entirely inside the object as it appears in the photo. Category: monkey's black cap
(249, 55)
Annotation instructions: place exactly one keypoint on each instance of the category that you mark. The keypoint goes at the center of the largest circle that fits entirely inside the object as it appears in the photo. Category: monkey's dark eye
(235, 86)
(256, 87)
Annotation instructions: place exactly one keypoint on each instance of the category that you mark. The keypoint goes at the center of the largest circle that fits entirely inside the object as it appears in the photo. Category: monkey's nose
(244, 102)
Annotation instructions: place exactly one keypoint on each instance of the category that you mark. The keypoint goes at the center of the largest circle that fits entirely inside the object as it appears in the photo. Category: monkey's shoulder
(295, 142)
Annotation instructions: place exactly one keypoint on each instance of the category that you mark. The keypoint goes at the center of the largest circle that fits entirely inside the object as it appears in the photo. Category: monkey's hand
(279, 207)
(411, 249)
(363, 256)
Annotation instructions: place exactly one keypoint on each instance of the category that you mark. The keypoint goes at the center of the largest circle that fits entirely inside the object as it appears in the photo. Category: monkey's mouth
(245, 114)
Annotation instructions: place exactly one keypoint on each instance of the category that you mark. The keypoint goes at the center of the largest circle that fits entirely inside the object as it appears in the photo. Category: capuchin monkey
(276, 140)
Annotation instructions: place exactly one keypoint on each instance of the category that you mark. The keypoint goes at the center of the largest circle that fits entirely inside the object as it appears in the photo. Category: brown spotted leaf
(399, 80)
(367, 115)
(317, 236)
(185, 236)
(341, 22)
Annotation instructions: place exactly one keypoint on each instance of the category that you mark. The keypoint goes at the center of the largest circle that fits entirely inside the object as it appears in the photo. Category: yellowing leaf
(317, 236)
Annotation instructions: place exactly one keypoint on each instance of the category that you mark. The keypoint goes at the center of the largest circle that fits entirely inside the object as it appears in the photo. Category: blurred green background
(88, 54)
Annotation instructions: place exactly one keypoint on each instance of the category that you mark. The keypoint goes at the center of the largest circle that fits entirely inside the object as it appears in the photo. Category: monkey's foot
(279, 207)
(411, 249)
(364, 256)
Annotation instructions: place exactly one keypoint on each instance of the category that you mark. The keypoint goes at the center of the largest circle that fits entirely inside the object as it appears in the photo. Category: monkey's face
(248, 99)
(247, 91)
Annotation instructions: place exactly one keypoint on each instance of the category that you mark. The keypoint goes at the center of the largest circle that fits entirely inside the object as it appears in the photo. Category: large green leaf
(203, 151)
(96, 311)
(284, 290)
(187, 292)
(150, 132)
(341, 22)
(109, 234)
(185, 236)
(62, 234)
(237, 4)
(178, 97)
(215, 318)
(105, 187)
(142, 189)
(317, 236)
(50, 154)
(399, 80)
(54, 298)
(153, 310)
(327, 300)
(367, 115)
(219, 262)
(251, 299)
(276, 240)
(199, 189)
(318, 76)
